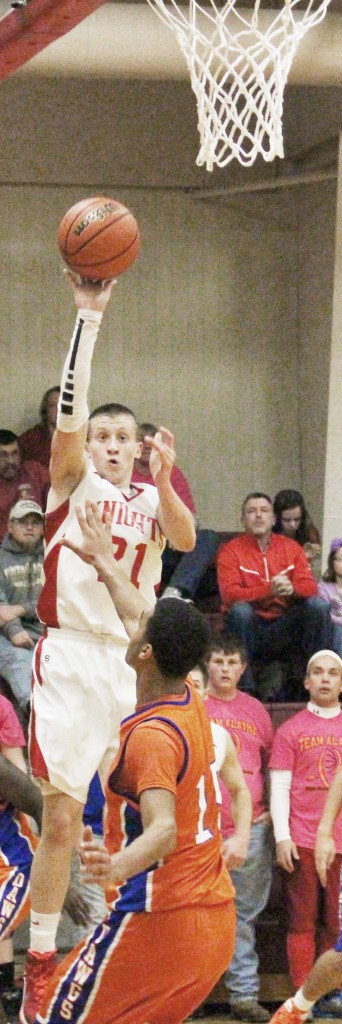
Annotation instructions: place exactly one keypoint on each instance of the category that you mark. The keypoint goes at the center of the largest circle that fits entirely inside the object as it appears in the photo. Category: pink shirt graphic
(250, 727)
(311, 748)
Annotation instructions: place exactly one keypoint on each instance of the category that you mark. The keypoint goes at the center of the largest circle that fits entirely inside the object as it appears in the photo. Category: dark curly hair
(179, 636)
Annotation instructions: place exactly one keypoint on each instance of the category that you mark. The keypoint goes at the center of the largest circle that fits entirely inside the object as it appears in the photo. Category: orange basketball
(99, 238)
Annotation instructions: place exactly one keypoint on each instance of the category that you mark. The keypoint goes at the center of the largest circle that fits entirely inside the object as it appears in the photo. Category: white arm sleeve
(280, 803)
(73, 406)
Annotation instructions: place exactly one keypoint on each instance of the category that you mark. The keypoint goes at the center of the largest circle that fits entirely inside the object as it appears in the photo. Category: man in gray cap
(21, 579)
(306, 754)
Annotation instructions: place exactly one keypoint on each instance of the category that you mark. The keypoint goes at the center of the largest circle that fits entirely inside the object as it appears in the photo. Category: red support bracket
(26, 30)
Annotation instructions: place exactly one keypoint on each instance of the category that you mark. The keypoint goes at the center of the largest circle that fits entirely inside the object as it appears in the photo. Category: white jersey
(73, 596)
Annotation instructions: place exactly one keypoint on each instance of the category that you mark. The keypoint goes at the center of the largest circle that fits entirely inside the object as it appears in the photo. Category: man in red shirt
(142, 473)
(35, 443)
(269, 591)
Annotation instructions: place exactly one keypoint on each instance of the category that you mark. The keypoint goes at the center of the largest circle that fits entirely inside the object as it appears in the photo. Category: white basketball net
(239, 63)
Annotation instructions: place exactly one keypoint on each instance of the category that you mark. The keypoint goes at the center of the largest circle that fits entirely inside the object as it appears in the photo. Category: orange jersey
(175, 731)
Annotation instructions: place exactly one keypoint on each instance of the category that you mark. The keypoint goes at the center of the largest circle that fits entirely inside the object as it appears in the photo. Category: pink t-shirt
(250, 727)
(311, 748)
(11, 733)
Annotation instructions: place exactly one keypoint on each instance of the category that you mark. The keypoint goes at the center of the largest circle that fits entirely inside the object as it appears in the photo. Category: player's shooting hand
(89, 294)
(163, 453)
(286, 853)
(96, 548)
(325, 851)
(76, 906)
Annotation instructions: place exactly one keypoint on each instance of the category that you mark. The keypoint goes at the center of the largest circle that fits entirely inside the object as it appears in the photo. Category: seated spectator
(181, 574)
(21, 579)
(18, 479)
(187, 578)
(142, 474)
(330, 589)
(293, 520)
(249, 725)
(269, 592)
(35, 443)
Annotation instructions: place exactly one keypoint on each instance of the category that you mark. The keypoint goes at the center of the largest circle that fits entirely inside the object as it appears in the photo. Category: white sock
(43, 929)
(302, 1004)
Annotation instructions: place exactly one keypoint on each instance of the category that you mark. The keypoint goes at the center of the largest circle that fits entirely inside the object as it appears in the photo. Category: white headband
(320, 654)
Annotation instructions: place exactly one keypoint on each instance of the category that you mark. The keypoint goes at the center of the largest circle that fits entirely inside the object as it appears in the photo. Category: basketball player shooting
(82, 686)
(171, 922)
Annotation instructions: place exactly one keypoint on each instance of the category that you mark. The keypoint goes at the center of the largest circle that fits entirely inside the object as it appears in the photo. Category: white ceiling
(128, 40)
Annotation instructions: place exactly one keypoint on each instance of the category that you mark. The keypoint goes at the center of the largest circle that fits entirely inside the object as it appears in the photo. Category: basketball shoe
(39, 969)
(289, 1013)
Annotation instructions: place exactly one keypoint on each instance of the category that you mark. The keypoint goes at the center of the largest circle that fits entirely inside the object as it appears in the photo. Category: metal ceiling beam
(28, 29)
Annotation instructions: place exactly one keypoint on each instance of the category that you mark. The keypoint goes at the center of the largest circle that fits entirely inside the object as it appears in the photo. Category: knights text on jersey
(176, 732)
(73, 596)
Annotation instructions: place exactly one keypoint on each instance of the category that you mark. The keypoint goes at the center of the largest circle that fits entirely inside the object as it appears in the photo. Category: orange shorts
(140, 967)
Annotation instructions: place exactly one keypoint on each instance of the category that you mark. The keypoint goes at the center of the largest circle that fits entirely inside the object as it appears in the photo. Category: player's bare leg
(325, 976)
(61, 824)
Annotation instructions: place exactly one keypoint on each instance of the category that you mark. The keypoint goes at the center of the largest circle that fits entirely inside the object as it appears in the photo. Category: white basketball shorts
(81, 691)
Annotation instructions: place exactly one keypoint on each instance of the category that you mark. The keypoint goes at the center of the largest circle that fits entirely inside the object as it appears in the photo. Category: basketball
(99, 238)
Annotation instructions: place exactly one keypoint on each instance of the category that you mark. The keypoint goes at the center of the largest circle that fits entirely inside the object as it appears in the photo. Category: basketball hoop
(239, 62)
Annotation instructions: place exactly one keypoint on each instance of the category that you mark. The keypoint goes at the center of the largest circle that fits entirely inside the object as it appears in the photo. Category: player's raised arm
(97, 550)
(175, 519)
(68, 458)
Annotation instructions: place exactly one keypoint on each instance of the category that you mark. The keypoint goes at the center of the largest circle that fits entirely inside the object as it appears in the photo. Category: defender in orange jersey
(170, 930)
